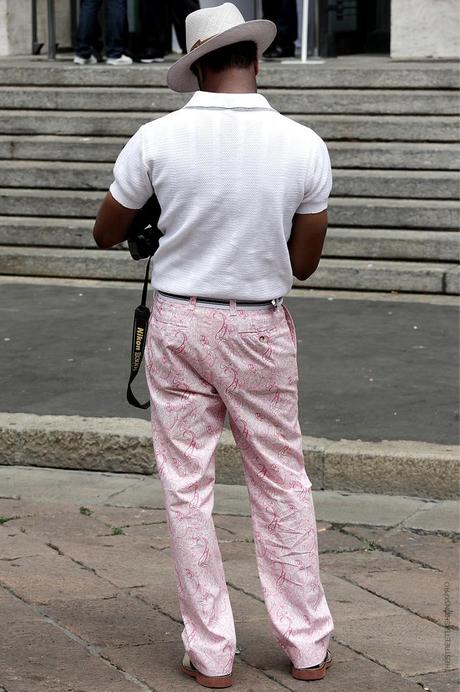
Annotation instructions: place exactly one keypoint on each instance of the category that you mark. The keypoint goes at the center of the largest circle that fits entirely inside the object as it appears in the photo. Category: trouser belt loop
(276, 302)
(192, 302)
(233, 307)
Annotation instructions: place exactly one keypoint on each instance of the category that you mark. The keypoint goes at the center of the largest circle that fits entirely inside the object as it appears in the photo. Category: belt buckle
(276, 302)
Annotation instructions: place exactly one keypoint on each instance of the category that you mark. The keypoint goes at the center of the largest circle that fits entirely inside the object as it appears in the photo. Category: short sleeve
(132, 186)
(318, 183)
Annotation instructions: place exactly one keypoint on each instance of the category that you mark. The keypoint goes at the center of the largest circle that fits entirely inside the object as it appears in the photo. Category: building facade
(401, 29)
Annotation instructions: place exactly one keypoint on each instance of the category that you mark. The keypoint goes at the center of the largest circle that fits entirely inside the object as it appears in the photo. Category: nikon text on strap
(140, 327)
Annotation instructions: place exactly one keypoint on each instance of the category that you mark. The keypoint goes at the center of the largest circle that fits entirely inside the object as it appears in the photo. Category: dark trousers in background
(284, 14)
(156, 17)
(87, 40)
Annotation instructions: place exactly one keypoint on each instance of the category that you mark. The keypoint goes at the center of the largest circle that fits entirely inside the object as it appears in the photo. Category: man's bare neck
(232, 81)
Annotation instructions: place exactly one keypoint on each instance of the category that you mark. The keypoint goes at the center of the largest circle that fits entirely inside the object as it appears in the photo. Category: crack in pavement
(118, 492)
(19, 557)
(154, 606)
(396, 553)
(398, 605)
(369, 657)
(265, 673)
(247, 593)
(132, 678)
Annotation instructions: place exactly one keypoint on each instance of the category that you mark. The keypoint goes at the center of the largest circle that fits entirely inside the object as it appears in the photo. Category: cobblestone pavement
(88, 596)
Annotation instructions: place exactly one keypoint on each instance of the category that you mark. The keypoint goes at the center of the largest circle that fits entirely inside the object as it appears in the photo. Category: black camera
(143, 234)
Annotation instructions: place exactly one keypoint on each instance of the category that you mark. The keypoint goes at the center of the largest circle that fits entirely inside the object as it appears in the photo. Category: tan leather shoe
(313, 672)
(218, 681)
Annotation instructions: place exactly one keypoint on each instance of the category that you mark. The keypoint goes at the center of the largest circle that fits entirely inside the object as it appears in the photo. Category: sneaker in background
(278, 52)
(78, 60)
(147, 59)
(122, 60)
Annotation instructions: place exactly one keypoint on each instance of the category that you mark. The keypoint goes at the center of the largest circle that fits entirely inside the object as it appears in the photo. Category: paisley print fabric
(201, 362)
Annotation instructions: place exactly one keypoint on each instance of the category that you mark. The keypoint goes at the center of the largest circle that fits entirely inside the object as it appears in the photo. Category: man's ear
(256, 67)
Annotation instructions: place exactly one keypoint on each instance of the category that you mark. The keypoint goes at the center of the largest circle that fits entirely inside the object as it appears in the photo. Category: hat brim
(261, 31)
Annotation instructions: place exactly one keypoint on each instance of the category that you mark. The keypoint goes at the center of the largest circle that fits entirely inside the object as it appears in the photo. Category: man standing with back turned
(243, 192)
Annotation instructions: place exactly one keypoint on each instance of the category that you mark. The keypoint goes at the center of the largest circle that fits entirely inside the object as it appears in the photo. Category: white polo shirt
(229, 172)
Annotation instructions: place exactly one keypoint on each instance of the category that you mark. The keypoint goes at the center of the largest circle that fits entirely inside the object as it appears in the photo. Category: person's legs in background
(115, 32)
(180, 9)
(155, 22)
(284, 14)
(86, 38)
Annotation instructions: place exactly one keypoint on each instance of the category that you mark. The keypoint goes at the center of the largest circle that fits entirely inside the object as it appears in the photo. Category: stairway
(392, 131)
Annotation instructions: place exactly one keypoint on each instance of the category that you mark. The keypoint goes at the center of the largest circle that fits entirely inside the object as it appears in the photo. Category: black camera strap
(140, 327)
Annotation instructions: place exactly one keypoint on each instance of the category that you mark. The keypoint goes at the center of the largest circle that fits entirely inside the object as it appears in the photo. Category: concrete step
(377, 243)
(56, 175)
(393, 155)
(364, 212)
(372, 128)
(345, 72)
(312, 101)
(380, 275)
(405, 184)
(340, 242)
(347, 182)
(44, 231)
(348, 274)
(394, 213)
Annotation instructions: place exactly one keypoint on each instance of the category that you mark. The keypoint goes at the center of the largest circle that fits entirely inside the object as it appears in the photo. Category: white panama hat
(212, 28)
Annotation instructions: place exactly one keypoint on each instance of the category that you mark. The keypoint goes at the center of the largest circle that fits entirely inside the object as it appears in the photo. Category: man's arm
(306, 242)
(128, 193)
(112, 222)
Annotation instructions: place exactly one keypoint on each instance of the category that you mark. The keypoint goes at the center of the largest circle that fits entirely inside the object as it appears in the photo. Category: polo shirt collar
(212, 99)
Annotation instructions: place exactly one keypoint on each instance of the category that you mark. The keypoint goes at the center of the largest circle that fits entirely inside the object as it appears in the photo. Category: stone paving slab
(87, 610)
(59, 486)
(13, 609)
(103, 557)
(114, 622)
(52, 662)
(447, 681)
(340, 506)
(56, 485)
(159, 666)
(351, 604)
(332, 540)
(346, 564)
(403, 643)
(229, 499)
(439, 552)
(126, 516)
(58, 525)
(16, 545)
(163, 596)
(445, 518)
(359, 674)
(237, 526)
(350, 670)
(30, 578)
(423, 591)
(244, 576)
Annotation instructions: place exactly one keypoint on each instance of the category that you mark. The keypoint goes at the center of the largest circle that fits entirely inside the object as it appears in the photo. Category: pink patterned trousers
(200, 361)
